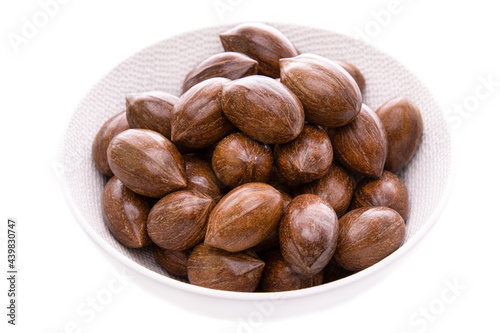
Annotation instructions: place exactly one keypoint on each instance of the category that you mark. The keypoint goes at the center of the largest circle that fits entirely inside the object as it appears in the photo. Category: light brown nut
(147, 162)
(368, 235)
(244, 217)
(261, 42)
(214, 268)
(125, 214)
(230, 65)
(201, 178)
(263, 108)
(173, 261)
(179, 220)
(330, 96)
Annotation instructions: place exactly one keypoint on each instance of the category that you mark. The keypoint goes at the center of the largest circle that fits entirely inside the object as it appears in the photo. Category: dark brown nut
(201, 178)
(361, 146)
(277, 181)
(333, 272)
(125, 214)
(278, 276)
(261, 42)
(197, 118)
(308, 234)
(354, 72)
(214, 268)
(231, 65)
(173, 261)
(244, 217)
(179, 220)
(264, 109)
(404, 127)
(330, 96)
(116, 124)
(308, 157)
(368, 235)
(151, 110)
(147, 163)
(336, 187)
(238, 160)
(387, 191)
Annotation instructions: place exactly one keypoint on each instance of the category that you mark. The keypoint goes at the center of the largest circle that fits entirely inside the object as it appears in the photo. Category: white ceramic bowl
(164, 65)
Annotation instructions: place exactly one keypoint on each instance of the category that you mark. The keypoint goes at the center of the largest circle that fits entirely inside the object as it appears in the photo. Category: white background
(450, 45)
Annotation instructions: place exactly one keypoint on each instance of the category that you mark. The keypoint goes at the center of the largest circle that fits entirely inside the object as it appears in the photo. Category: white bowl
(164, 65)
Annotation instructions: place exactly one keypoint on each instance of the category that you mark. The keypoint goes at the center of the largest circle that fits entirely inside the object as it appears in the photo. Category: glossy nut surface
(388, 191)
(368, 235)
(125, 214)
(146, 162)
(238, 160)
(261, 42)
(201, 178)
(308, 157)
(173, 261)
(179, 220)
(354, 72)
(112, 127)
(244, 217)
(308, 234)
(214, 268)
(263, 108)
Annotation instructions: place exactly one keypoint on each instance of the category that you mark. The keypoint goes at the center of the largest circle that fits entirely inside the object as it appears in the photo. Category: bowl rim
(260, 296)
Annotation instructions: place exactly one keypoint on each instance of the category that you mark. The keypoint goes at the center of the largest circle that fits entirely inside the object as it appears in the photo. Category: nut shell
(354, 72)
(261, 42)
(361, 146)
(330, 96)
(263, 108)
(173, 261)
(368, 235)
(238, 160)
(388, 191)
(112, 127)
(179, 220)
(214, 268)
(404, 127)
(244, 217)
(197, 118)
(230, 65)
(125, 214)
(147, 162)
(201, 178)
(308, 157)
(308, 234)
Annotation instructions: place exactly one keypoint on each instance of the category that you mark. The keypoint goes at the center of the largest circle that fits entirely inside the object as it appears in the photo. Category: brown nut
(277, 181)
(116, 124)
(308, 157)
(173, 261)
(263, 108)
(361, 146)
(368, 235)
(404, 127)
(214, 268)
(388, 191)
(151, 110)
(179, 220)
(261, 42)
(146, 162)
(230, 65)
(197, 118)
(125, 214)
(308, 234)
(333, 272)
(278, 276)
(201, 178)
(238, 160)
(336, 187)
(244, 217)
(354, 72)
(330, 96)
